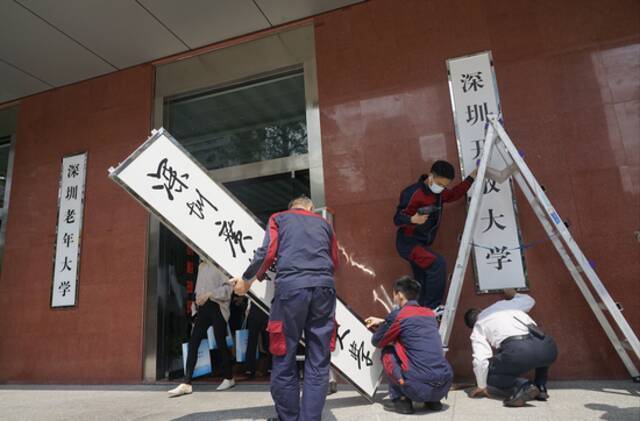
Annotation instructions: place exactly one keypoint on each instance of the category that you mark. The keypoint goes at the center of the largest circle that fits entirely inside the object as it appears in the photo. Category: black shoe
(399, 406)
(544, 395)
(433, 406)
(526, 392)
(333, 388)
(273, 419)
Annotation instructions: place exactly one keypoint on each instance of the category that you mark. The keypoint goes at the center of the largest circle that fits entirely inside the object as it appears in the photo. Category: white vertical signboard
(66, 262)
(498, 257)
(162, 176)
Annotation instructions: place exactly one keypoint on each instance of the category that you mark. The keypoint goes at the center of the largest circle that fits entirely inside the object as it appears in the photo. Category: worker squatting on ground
(412, 354)
(304, 248)
(520, 346)
(418, 217)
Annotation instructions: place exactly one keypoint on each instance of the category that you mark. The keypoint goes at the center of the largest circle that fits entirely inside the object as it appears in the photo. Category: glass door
(252, 137)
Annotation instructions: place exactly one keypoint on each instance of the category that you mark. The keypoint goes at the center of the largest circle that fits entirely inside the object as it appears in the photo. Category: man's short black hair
(470, 317)
(408, 287)
(443, 169)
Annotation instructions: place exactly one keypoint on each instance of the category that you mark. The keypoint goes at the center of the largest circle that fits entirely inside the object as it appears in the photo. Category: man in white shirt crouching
(503, 327)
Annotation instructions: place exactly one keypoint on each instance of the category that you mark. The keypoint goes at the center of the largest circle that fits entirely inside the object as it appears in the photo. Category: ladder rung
(604, 307)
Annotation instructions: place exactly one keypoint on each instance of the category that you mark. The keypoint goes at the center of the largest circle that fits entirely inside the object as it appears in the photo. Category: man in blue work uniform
(303, 246)
(412, 355)
(418, 218)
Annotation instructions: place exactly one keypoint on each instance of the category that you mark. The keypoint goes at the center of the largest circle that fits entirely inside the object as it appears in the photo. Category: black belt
(515, 338)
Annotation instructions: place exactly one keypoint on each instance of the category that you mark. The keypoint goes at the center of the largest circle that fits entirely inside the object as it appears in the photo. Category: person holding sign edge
(418, 218)
(412, 355)
(304, 249)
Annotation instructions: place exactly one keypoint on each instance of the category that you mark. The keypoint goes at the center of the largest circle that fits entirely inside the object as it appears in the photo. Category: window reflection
(258, 121)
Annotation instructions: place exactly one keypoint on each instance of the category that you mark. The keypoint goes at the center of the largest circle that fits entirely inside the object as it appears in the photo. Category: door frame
(240, 63)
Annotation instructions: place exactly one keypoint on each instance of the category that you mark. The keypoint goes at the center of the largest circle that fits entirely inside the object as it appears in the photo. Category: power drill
(428, 210)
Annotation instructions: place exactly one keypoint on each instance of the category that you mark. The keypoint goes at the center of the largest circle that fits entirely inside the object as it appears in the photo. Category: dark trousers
(311, 310)
(429, 269)
(257, 325)
(515, 358)
(209, 315)
(415, 388)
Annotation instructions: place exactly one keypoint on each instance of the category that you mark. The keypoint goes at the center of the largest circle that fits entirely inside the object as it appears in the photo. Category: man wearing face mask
(412, 356)
(418, 217)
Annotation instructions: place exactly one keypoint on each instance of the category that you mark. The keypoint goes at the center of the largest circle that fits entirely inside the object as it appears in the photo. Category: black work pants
(429, 269)
(515, 358)
(209, 314)
(257, 325)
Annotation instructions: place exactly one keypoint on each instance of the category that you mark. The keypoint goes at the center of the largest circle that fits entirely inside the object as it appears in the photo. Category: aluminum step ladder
(581, 271)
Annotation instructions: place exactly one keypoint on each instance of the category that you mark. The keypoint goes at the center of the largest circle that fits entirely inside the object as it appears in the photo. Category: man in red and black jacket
(418, 217)
(412, 355)
(304, 249)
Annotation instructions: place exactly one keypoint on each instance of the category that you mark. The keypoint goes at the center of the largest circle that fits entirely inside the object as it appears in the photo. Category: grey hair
(301, 202)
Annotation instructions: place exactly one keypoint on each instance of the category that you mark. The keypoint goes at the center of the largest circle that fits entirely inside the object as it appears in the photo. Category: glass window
(256, 121)
(264, 196)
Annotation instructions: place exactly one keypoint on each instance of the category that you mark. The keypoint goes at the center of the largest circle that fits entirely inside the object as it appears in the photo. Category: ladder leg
(573, 270)
(546, 213)
(455, 287)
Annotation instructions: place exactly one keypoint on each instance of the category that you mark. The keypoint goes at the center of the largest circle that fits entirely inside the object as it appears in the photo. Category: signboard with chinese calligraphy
(66, 262)
(498, 257)
(173, 186)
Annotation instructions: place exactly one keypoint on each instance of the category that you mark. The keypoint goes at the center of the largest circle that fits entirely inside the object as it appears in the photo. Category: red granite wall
(100, 340)
(569, 79)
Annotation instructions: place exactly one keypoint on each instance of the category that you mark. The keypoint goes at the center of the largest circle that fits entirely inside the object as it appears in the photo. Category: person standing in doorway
(212, 308)
(303, 246)
(257, 321)
(418, 217)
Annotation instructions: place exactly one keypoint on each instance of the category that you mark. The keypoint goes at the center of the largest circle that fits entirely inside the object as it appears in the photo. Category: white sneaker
(183, 389)
(226, 384)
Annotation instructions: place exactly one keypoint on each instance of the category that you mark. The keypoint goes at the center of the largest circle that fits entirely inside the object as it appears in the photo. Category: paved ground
(612, 400)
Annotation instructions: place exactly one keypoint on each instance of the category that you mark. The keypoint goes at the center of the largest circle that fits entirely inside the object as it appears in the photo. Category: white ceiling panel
(16, 84)
(202, 22)
(49, 43)
(281, 11)
(33, 45)
(120, 31)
